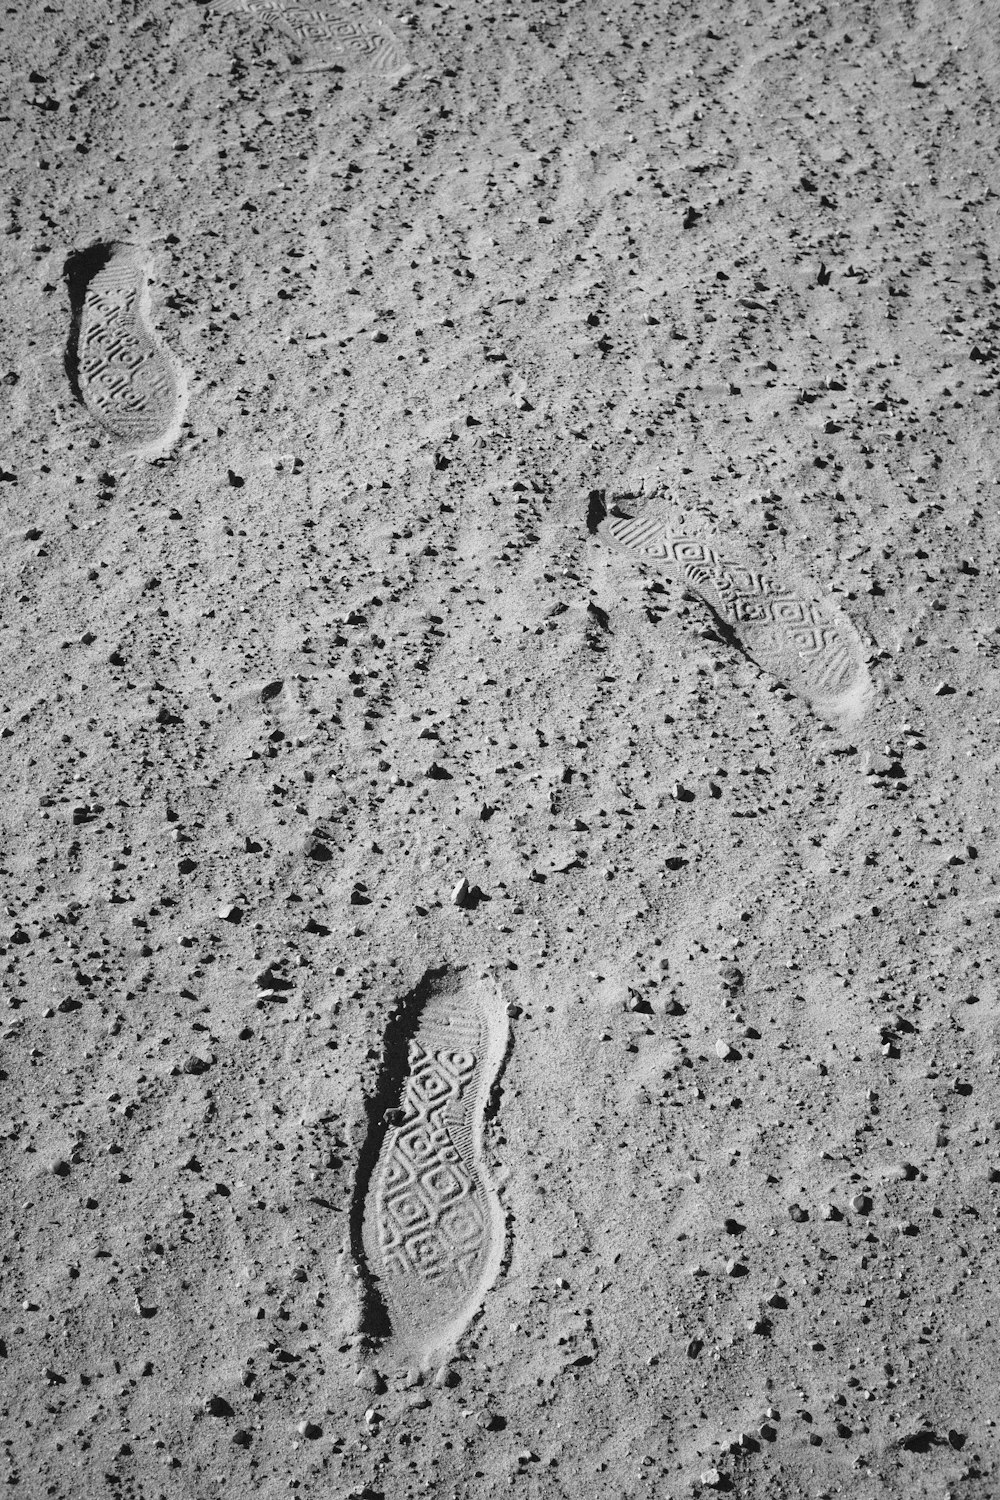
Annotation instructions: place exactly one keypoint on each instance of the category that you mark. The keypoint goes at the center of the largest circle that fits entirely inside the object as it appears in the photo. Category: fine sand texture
(500, 729)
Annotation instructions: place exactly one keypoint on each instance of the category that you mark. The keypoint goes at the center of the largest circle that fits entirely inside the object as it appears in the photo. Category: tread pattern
(125, 376)
(329, 35)
(794, 638)
(433, 1231)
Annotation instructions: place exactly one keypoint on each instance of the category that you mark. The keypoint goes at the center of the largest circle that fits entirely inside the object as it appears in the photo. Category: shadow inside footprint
(381, 1110)
(79, 270)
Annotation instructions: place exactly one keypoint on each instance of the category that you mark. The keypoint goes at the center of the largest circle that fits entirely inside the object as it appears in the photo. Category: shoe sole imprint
(433, 1230)
(328, 35)
(795, 639)
(126, 378)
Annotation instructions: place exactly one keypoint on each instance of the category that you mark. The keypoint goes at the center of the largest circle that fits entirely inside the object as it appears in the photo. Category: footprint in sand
(433, 1231)
(328, 36)
(797, 639)
(125, 376)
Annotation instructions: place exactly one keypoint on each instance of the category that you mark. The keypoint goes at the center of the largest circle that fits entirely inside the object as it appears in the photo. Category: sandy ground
(312, 610)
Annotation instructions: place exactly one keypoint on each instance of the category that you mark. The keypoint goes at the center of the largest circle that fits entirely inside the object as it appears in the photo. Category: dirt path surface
(345, 356)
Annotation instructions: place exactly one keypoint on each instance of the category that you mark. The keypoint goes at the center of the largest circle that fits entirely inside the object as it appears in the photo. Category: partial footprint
(125, 376)
(797, 639)
(330, 36)
(433, 1230)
